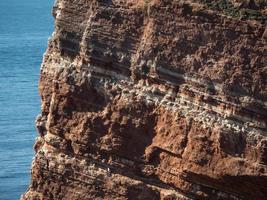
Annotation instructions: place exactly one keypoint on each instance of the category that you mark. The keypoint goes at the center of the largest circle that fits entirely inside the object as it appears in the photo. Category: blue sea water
(24, 30)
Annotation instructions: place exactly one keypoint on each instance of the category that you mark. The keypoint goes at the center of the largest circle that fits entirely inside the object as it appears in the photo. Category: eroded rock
(151, 100)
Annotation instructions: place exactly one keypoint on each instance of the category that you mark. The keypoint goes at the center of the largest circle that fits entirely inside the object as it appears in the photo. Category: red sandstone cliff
(153, 99)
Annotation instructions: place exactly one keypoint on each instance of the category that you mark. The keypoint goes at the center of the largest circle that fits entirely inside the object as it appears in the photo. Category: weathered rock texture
(157, 99)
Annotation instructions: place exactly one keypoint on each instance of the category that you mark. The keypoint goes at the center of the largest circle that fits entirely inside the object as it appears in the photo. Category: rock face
(152, 99)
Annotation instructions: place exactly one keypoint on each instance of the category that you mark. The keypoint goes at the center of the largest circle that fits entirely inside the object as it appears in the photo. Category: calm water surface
(24, 29)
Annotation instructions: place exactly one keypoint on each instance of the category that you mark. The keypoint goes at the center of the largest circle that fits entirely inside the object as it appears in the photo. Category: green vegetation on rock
(228, 8)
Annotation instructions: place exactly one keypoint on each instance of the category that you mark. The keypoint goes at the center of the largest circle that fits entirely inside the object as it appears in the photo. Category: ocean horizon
(25, 27)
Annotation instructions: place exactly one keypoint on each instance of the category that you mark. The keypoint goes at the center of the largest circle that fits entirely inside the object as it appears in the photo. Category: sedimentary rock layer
(157, 99)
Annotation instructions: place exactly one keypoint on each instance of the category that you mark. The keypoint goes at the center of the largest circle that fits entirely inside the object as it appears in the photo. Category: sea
(25, 26)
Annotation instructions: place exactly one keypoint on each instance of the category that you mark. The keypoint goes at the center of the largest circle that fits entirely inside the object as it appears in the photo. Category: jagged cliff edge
(155, 99)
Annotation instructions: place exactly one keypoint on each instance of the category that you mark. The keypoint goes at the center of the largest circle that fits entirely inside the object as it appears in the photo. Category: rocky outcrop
(152, 99)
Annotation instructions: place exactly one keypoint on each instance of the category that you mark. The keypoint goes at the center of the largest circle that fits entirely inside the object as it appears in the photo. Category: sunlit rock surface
(155, 99)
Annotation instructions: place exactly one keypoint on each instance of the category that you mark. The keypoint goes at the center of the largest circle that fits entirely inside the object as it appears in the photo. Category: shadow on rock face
(143, 192)
(232, 184)
(233, 144)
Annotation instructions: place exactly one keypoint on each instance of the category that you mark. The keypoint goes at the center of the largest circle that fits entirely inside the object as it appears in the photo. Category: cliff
(153, 99)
